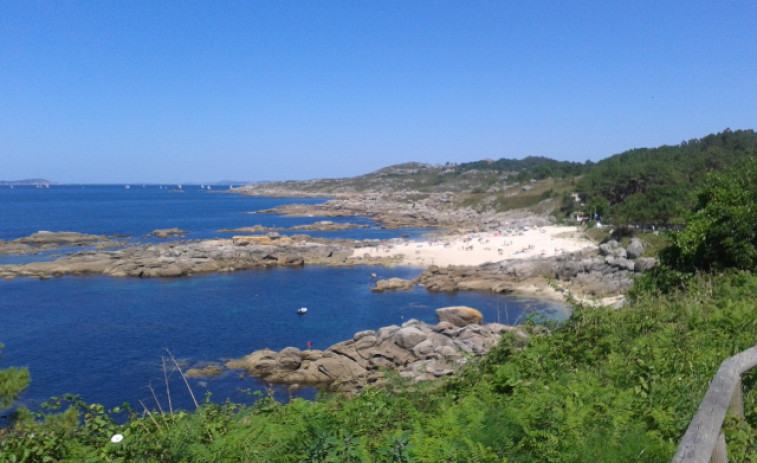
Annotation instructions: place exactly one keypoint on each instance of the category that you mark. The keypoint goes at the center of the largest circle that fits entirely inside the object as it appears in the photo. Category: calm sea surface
(104, 338)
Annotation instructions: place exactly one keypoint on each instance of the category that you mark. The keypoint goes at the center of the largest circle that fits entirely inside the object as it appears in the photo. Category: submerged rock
(210, 370)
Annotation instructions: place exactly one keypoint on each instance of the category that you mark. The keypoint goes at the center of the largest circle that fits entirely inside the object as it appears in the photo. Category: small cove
(104, 338)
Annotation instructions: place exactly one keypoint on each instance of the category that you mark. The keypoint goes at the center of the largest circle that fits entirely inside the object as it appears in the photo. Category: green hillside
(652, 186)
(656, 185)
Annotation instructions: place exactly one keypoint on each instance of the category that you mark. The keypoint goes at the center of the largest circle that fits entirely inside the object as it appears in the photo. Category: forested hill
(639, 186)
(654, 185)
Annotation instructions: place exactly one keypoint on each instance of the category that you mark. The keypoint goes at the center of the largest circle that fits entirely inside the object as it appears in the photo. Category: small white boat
(302, 311)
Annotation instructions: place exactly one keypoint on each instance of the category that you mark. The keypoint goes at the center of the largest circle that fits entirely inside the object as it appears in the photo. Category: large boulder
(393, 284)
(459, 315)
(338, 369)
(635, 248)
(289, 358)
(612, 248)
(408, 337)
(258, 363)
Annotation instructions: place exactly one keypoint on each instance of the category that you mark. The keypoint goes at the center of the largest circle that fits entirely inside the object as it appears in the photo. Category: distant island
(31, 181)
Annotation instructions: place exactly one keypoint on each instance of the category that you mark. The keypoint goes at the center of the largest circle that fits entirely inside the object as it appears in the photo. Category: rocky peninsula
(416, 351)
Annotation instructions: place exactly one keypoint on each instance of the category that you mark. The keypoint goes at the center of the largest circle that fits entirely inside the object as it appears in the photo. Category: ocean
(105, 339)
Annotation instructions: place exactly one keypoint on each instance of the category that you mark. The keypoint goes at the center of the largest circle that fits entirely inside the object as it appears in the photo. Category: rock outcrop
(166, 232)
(587, 273)
(635, 249)
(459, 316)
(322, 225)
(183, 259)
(402, 210)
(416, 350)
(60, 238)
(50, 241)
(392, 284)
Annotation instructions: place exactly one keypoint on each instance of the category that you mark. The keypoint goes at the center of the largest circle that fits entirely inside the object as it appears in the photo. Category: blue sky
(182, 91)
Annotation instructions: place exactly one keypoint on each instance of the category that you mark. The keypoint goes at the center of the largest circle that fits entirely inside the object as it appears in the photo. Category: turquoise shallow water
(104, 338)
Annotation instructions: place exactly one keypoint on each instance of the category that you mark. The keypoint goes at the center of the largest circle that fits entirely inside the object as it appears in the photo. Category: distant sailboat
(127, 187)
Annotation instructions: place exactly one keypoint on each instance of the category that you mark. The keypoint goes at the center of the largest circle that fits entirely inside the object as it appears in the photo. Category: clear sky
(120, 91)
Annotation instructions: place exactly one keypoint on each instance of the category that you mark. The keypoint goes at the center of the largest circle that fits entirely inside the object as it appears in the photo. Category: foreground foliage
(608, 385)
(721, 228)
(13, 381)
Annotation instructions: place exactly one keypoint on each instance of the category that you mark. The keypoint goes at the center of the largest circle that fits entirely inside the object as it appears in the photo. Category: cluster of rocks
(412, 209)
(321, 225)
(184, 259)
(416, 350)
(167, 232)
(609, 271)
(47, 240)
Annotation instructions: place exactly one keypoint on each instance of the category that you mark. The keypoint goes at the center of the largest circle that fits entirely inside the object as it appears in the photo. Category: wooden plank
(701, 437)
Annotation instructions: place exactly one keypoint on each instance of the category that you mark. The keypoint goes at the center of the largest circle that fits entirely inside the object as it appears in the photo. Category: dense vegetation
(645, 186)
(531, 167)
(720, 231)
(656, 185)
(13, 381)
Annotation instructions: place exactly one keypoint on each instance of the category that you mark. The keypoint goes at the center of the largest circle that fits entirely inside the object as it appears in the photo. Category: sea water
(110, 340)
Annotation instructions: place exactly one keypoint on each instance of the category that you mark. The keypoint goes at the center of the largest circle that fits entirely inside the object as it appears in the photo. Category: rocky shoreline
(181, 259)
(416, 351)
(395, 210)
(607, 270)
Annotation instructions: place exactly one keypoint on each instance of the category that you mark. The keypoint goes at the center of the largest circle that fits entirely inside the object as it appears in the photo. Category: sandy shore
(479, 248)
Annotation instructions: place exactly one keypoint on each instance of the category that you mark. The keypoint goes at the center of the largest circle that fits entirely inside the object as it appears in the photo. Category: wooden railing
(704, 440)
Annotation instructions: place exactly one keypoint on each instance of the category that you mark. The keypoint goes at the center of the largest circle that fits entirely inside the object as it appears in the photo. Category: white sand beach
(479, 248)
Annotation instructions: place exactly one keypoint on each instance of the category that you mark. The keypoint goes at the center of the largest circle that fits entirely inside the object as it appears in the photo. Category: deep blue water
(114, 210)
(104, 338)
